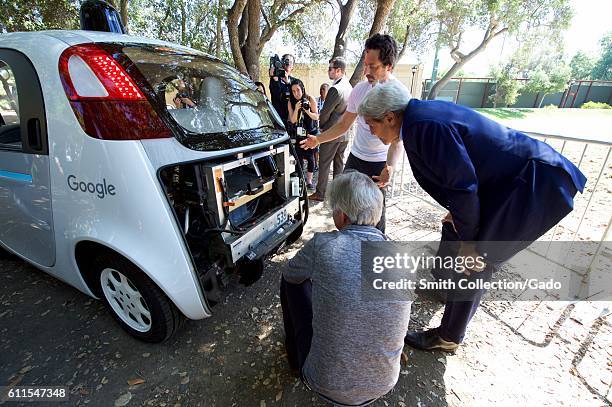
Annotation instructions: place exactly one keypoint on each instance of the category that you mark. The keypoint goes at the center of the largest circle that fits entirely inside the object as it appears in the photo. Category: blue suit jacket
(498, 183)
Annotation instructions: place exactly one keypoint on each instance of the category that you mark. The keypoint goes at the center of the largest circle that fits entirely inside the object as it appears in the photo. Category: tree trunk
(219, 31)
(542, 100)
(233, 17)
(404, 43)
(461, 60)
(251, 45)
(383, 7)
(163, 22)
(123, 10)
(435, 89)
(243, 27)
(183, 24)
(406, 39)
(346, 14)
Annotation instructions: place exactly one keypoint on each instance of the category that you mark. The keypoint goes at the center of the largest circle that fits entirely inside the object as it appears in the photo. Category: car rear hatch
(208, 104)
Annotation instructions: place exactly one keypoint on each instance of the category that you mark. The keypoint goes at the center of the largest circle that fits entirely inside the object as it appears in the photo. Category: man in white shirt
(368, 154)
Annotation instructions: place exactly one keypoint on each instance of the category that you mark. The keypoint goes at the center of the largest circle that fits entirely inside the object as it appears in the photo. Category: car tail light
(107, 102)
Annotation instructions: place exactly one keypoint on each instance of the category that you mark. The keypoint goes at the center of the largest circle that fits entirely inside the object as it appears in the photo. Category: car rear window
(203, 95)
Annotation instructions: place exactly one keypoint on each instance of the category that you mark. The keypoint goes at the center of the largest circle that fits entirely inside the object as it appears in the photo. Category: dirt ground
(524, 353)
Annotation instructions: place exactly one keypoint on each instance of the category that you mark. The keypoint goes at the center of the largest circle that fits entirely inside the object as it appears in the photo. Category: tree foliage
(507, 88)
(35, 15)
(603, 67)
(581, 65)
(412, 25)
(494, 18)
(238, 30)
(186, 22)
(310, 34)
(545, 81)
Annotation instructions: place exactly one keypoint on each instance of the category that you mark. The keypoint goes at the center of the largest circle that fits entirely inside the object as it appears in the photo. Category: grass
(503, 113)
(583, 123)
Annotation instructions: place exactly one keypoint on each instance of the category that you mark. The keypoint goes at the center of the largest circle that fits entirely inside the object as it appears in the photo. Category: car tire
(136, 303)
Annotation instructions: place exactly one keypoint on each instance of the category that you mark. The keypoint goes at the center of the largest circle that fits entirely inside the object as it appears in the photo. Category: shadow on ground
(51, 334)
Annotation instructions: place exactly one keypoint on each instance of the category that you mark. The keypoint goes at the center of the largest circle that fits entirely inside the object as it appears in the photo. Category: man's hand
(383, 179)
(271, 73)
(310, 143)
(188, 102)
(468, 250)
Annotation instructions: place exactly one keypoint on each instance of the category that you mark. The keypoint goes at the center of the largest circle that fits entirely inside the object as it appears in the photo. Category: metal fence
(479, 92)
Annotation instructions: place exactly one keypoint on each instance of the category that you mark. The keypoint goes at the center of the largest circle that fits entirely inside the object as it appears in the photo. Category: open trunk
(236, 210)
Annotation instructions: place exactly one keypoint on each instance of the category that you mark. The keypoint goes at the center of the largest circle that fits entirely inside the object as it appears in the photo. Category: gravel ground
(545, 353)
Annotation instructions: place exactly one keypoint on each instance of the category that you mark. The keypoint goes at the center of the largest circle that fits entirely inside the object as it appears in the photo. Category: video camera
(279, 66)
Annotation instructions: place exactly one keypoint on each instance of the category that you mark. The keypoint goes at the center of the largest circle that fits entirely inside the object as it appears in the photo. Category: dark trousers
(296, 303)
(516, 218)
(328, 153)
(307, 155)
(461, 305)
(369, 168)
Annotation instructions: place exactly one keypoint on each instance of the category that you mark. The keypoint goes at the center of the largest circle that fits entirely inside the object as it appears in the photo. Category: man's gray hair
(385, 97)
(358, 197)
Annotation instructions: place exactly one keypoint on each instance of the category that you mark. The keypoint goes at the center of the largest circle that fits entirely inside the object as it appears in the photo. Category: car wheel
(139, 306)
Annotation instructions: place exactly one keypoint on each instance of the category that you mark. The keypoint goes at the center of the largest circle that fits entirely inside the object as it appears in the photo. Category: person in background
(280, 88)
(320, 100)
(368, 154)
(303, 117)
(498, 184)
(347, 349)
(334, 107)
(323, 89)
(182, 100)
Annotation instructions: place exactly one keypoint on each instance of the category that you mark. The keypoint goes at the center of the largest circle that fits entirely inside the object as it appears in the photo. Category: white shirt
(366, 146)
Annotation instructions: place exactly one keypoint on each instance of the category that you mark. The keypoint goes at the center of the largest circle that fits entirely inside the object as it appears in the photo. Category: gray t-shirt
(356, 345)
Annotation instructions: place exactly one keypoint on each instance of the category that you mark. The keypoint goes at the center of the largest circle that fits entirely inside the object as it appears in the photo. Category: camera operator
(182, 100)
(303, 119)
(280, 84)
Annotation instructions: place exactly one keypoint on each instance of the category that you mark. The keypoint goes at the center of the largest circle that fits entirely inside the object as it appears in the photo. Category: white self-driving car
(140, 172)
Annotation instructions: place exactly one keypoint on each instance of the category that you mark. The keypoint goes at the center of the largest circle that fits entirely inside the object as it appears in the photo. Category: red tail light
(106, 100)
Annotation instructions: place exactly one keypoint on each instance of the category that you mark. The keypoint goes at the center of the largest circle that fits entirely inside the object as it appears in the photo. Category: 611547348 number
(34, 393)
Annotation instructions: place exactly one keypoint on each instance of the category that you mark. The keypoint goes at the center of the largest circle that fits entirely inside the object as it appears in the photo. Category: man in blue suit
(497, 183)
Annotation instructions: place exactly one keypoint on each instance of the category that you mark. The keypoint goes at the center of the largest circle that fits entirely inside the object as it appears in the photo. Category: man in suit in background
(333, 108)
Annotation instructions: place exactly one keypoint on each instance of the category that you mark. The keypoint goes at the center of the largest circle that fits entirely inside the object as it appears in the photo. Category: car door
(26, 222)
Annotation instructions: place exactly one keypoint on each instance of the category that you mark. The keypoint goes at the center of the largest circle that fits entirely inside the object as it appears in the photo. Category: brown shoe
(429, 340)
(316, 197)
